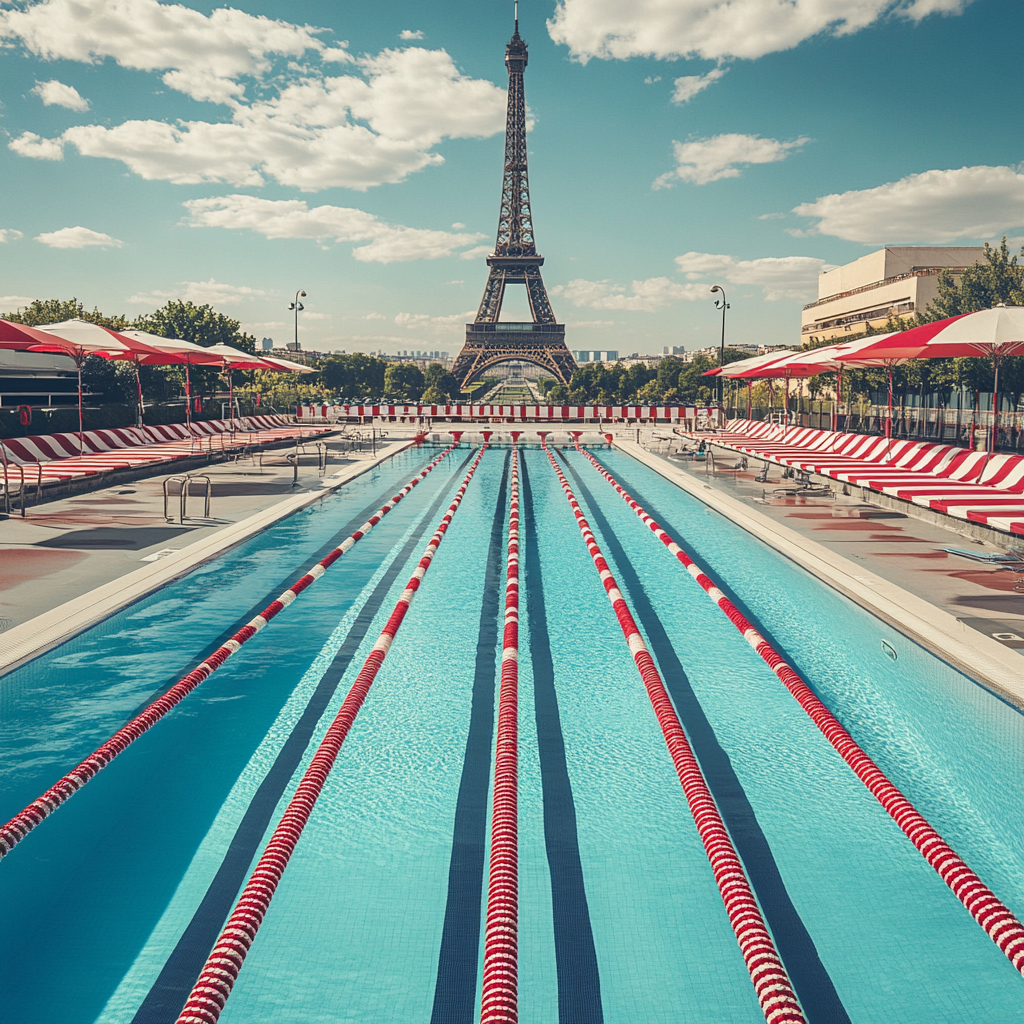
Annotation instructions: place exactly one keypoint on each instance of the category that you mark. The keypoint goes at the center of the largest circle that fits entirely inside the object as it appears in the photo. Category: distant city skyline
(231, 156)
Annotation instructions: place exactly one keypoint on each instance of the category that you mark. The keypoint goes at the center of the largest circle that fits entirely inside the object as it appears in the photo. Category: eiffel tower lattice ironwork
(514, 261)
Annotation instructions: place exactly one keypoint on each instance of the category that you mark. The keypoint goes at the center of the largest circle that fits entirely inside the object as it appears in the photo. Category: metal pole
(723, 306)
(296, 305)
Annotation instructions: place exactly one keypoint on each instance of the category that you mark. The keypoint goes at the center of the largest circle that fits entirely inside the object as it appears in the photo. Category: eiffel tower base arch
(542, 345)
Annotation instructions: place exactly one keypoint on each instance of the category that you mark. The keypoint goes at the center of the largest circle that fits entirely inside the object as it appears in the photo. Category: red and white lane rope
(999, 922)
(42, 807)
(771, 983)
(218, 976)
(499, 1001)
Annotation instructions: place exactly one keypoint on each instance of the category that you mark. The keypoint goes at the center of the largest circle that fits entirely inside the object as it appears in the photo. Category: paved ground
(908, 552)
(66, 548)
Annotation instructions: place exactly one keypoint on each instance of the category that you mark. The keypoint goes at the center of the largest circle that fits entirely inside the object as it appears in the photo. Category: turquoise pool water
(112, 904)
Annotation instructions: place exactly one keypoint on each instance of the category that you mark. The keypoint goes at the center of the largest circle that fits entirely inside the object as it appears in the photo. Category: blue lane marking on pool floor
(458, 960)
(812, 982)
(165, 999)
(579, 982)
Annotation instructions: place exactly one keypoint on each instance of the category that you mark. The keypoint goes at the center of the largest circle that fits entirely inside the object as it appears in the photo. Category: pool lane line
(171, 988)
(213, 987)
(579, 981)
(814, 986)
(998, 921)
(458, 961)
(771, 983)
(42, 807)
(499, 1000)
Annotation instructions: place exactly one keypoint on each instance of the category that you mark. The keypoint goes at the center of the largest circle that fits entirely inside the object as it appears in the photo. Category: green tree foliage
(441, 386)
(999, 279)
(354, 378)
(56, 311)
(403, 382)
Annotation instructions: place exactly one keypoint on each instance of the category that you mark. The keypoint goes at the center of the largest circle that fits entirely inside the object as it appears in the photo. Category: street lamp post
(296, 305)
(723, 306)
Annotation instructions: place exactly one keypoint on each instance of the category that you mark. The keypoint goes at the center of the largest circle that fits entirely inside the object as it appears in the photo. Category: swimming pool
(114, 902)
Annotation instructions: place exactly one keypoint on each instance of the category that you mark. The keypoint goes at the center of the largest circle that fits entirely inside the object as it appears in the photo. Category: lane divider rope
(499, 1000)
(218, 976)
(42, 807)
(998, 921)
(774, 990)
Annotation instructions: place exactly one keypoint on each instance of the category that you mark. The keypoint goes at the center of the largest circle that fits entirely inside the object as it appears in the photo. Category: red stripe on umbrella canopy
(755, 364)
(20, 336)
(81, 338)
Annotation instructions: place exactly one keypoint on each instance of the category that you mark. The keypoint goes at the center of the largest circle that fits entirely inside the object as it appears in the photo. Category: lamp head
(715, 288)
(303, 294)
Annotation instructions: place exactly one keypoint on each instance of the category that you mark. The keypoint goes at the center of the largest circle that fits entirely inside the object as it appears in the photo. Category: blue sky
(154, 151)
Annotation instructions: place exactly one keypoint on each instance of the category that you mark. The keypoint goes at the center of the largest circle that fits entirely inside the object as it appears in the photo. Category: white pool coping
(980, 657)
(28, 640)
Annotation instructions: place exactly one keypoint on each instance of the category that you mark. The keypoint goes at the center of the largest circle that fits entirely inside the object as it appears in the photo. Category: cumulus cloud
(780, 277)
(293, 218)
(32, 145)
(216, 293)
(704, 160)
(648, 296)
(201, 56)
(409, 34)
(77, 238)
(936, 207)
(57, 94)
(688, 86)
(716, 30)
(307, 129)
(8, 303)
(9, 235)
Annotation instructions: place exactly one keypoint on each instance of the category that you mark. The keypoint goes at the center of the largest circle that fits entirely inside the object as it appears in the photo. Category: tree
(999, 279)
(56, 311)
(441, 385)
(354, 378)
(403, 382)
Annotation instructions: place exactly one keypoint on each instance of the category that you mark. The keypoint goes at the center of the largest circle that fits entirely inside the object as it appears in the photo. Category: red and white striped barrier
(211, 990)
(771, 983)
(700, 417)
(984, 906)
(500, 998)
(41, 808)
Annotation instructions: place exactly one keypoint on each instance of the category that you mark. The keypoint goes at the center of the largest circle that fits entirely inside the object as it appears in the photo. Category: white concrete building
(895, 281)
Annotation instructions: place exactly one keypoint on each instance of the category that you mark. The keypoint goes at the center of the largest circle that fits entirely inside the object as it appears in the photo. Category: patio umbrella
(820, 360)
(751, 367)
(996, 333)
(80, 338)
(286, 365)
(172, 352)
(876, 350)
(232, 359)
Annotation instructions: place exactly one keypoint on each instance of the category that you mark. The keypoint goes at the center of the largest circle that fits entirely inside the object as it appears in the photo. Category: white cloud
(705, 160)
(781, 277)
(293, 218)
(9, 235)
(476, 252)
(651, 79)
(408, 33)
(306, 129)
(434, 324)
(57, 94)
(936, 207)
(688, 87)
(8, 303)
(32, 145)
(77, 238)
(716, 30)
(201, 56)
(591, 323)
(375, 316)
(653, 294)
(216, 293)
(351, 131)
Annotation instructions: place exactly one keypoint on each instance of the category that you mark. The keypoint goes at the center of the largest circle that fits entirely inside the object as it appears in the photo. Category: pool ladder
(184, 482)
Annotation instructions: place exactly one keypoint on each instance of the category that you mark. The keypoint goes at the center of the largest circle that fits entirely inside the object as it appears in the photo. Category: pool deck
(895, 566)
(73, 561)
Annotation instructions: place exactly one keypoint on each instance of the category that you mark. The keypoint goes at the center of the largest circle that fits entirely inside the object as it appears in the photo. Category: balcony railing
(927, 272)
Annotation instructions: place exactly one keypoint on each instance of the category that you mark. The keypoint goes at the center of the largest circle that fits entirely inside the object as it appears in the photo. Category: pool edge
(30, 639)
(980, 658)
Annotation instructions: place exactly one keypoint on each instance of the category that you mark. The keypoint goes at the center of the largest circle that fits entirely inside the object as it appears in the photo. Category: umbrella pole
(81, 439)
(188, 400)
(231, 399)
(995, 411)
(138, 389)
(750, 399)
(839, 398)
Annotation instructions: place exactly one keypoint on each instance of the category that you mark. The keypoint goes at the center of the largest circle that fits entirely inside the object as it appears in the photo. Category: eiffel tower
(514, 261)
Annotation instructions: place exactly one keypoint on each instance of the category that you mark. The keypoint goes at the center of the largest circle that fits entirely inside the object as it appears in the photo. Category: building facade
(895, 281)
